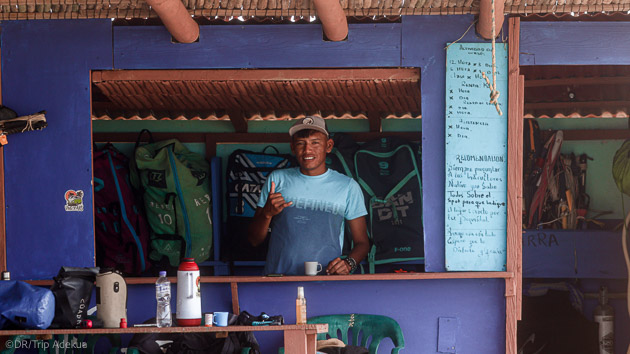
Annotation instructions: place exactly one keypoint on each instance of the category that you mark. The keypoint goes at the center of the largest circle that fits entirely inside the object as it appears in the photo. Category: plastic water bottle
(163, 296)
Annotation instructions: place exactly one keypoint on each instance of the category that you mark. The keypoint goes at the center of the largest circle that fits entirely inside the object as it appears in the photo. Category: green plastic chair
(375, 326)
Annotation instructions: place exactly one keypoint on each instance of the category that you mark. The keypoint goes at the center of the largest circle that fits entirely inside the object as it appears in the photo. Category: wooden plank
(306, 278)
(3, 230)
(211, 146)
(576, 104)
(374, 118)
(596, 134)
(234, 291)
(519, 255)
(317, 328)
(238, 120)
(565, 43)
(582, 81)
(295, 342)
(412, 74)
(515, 185)
(227, 138)
(231, 47)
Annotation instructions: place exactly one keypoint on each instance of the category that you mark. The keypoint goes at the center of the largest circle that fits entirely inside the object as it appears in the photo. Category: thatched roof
(129, 9)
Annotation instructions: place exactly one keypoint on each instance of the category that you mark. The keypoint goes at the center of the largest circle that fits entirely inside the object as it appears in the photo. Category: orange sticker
(3, 140)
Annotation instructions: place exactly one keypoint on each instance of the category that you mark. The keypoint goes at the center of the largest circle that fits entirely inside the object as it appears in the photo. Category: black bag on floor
(72, 288)
(246, 173)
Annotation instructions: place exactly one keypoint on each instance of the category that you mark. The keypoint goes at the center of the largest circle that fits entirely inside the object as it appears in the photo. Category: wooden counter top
(319, 328)
(305, 278)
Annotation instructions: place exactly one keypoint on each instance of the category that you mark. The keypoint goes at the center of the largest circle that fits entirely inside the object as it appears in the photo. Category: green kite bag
(176, 190)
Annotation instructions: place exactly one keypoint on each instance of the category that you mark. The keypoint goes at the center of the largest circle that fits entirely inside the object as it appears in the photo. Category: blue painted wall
(36, 77)
(46, 66)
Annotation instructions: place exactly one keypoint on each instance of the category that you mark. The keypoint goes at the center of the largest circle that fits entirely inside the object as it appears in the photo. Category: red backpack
(122, 233)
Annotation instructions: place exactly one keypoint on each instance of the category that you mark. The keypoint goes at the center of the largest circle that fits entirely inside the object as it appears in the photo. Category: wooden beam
(236, 309)
(409, 74)
(514, 187)
(3, 229)
(374, 118)
(583, 81)
(245, 138)
(519, 256)
(238, 120)
(487, 18)
(316, 278)
(573, 105)
(596, 134)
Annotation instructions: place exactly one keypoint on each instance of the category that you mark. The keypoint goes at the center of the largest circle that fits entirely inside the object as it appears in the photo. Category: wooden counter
(298, 339)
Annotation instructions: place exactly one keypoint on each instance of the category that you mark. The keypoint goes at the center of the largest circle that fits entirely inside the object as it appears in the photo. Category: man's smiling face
(310, 152)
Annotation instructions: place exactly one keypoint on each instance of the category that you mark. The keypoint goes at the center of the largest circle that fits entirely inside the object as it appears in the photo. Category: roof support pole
(333, 19)
(176, 19)
(484, 25)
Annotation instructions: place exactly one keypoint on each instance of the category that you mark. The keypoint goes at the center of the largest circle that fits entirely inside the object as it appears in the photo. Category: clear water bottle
(163, 296)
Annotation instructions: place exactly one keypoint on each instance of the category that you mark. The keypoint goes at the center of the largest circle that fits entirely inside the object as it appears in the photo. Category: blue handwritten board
(476, 159)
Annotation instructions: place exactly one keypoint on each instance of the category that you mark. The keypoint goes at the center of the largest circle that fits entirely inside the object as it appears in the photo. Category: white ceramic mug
(312, 268)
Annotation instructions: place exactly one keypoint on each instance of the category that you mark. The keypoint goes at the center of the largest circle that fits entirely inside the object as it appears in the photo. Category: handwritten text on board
(476, 159)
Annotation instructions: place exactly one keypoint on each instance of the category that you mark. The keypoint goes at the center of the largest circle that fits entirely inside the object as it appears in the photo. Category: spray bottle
(300, 307)
(604, 315)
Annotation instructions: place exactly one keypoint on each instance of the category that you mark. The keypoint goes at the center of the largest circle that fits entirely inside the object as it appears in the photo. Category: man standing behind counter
(307, 206)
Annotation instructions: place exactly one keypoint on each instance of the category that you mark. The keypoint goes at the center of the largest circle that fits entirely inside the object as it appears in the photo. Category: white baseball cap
(309, 122)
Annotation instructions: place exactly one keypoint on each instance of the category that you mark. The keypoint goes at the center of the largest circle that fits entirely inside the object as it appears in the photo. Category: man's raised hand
(275, 202)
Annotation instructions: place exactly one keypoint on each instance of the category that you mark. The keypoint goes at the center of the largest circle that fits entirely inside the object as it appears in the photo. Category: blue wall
(45, 65)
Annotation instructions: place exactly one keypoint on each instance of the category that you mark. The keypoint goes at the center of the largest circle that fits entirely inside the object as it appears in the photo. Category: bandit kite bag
(246, 174)
(176, 190)
(388, 172)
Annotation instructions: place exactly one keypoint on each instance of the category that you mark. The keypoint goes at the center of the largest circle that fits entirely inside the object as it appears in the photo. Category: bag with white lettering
(246, 173)
(388, 171)
(72, 288)
(176, 190)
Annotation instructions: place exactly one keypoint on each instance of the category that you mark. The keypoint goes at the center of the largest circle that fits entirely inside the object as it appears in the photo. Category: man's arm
(360, 249)
(259, 226)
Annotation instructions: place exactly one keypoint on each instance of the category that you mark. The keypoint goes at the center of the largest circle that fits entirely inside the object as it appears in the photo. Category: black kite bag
(246, 174)
(388, 172)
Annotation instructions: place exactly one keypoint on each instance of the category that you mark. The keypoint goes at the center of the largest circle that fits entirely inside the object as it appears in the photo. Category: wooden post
(300, 341)
(374, 118)
(236, 309)
(515, 190)
(3, 230)
(238, 120)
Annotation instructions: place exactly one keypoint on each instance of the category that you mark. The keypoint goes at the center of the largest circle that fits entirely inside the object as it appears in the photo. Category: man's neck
(313, 173)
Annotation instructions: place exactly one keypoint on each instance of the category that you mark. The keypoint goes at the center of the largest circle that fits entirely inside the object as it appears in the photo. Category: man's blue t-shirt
(311, 229)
